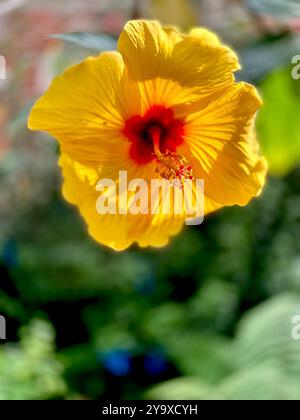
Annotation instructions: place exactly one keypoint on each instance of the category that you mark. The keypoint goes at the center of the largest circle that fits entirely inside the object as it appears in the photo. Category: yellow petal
(85, 109)
(195, 60)
(117, 231)
(222, 149)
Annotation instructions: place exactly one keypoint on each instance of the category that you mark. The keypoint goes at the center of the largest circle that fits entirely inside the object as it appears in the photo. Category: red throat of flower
(156, 135)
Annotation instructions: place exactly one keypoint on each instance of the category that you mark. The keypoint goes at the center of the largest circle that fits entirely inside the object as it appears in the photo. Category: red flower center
(156, 135)
(157, 131)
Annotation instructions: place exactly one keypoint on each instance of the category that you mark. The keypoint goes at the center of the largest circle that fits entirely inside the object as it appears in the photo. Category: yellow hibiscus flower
(165, 106)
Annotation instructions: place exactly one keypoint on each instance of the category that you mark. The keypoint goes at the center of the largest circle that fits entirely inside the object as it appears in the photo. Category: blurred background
(209, 316)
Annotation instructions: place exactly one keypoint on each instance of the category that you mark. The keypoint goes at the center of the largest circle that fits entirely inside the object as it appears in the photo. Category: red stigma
(157, 127)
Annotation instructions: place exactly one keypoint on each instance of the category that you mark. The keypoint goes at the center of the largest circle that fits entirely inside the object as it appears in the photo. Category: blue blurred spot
(117, 362)
(155, 363)
(10, 253)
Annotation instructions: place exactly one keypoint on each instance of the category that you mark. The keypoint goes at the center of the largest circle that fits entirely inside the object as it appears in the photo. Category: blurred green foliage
(178, 317)
(31, 370)
(208, 317)
(279, 121)
(262, 362)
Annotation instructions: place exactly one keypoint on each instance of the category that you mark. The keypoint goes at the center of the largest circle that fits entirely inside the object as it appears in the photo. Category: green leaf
(265, 336)
(283, 9)
(262, 382)
(279, 122)
(93, 41)
(260, 59)
(186, 388)
(208, 357)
